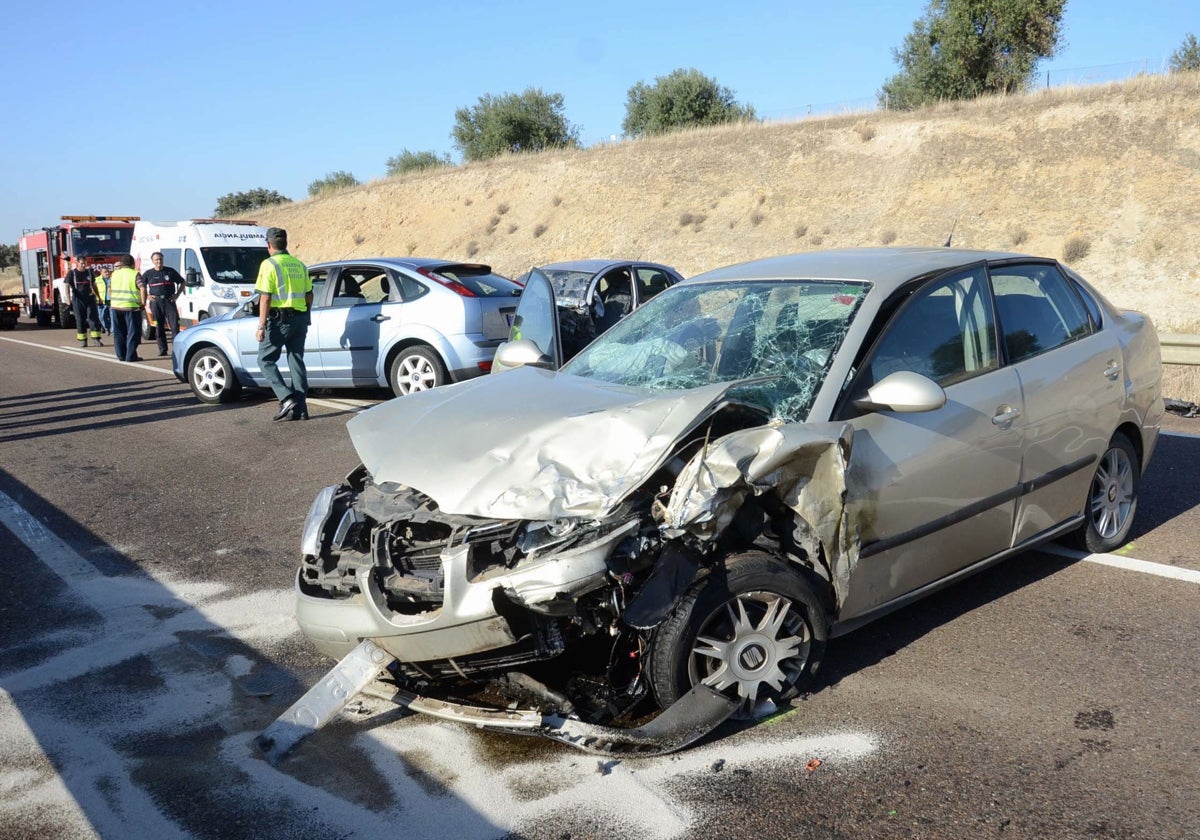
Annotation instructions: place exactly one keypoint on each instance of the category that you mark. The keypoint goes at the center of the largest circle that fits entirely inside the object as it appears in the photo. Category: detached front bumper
(691, 717)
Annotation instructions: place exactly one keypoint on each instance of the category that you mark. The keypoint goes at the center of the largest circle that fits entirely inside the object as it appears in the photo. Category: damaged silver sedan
(760, 458)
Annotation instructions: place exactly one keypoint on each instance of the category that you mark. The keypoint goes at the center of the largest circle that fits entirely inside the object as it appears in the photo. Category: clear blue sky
(157, 109)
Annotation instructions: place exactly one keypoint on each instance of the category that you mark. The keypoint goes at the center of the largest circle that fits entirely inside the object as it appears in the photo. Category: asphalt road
(148, 544)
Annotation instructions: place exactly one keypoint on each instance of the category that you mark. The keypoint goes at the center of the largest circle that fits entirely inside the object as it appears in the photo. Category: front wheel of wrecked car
(754, 629)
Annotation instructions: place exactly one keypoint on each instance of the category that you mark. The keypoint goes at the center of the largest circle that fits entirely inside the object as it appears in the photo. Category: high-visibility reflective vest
(124, 292)
(101, 288)
(286, 280)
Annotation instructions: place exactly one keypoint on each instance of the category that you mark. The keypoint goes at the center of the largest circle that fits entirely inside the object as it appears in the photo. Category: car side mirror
(903, 391)
(250, 307)
(520, 353)
(192, 278)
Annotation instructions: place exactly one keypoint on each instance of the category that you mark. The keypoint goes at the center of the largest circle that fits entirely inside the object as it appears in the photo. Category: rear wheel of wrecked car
(754, 629)
(416, 368)
(211, 376)
(1112, 498)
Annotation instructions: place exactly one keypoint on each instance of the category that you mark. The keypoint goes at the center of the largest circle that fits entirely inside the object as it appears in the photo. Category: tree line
(958, 49)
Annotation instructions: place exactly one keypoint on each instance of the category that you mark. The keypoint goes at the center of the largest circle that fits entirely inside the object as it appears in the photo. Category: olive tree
(525, 122)
(681, 99)
(961, 49)
(1187, 57)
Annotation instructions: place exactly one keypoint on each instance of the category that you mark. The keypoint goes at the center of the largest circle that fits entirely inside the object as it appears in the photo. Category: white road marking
(1129, 563)
(103, 354)
(100, 354)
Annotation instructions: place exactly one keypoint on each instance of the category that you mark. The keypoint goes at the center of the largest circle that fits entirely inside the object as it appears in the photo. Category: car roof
(594, 266)
(400, 262)
(884, 267)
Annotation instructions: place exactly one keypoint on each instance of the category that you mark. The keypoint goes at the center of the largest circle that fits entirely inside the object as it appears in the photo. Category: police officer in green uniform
(285, 297)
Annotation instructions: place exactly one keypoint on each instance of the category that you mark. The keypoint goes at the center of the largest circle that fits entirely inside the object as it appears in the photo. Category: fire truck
(47, 254)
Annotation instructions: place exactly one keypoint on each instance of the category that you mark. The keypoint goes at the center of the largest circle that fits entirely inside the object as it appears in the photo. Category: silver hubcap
(415, 373)
(1112, 493)
(209, 376)
(757, 644)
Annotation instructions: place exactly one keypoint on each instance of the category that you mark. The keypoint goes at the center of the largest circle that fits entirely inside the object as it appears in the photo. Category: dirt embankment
(1106, 178)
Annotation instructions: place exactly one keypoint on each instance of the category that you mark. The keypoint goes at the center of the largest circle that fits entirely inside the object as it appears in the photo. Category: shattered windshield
(570, 287)
(782, 333)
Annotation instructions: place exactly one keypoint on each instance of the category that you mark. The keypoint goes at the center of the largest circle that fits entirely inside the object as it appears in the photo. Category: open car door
(535, 337)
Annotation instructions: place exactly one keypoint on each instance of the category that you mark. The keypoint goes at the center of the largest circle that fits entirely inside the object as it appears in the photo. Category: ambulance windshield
(234, 265)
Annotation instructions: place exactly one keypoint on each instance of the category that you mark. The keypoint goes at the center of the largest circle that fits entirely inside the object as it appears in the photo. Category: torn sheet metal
(803, 464)
(531, 444)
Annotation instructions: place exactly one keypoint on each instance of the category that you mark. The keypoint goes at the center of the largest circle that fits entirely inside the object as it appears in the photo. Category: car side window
(650, 281)
(410, 288)
(374, 286)
(348, 290)
(318, 278)
(1038, 309)
(1089, 303)
(946, 332)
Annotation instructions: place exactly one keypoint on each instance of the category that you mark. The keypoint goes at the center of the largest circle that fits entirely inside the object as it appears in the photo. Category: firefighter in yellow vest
(128, 295)
(285, 298)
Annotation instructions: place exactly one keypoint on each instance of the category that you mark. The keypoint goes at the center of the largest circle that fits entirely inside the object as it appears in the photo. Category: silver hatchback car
(758, 459)
(405, 323)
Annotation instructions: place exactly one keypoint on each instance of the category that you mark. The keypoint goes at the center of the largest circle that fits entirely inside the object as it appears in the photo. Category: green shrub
(333, 181)
(408, 161)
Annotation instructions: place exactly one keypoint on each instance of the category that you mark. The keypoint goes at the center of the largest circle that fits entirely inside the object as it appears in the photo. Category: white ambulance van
(218, 259)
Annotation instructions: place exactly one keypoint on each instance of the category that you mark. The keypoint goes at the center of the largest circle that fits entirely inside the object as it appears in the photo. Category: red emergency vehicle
(47, 255)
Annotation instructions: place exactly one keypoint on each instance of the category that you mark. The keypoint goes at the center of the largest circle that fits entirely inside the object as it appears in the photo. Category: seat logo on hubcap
(752, 657)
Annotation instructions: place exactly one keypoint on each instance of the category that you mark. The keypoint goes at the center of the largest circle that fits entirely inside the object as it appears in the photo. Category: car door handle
(1005, 414)
(380, 318)
(1112, 371)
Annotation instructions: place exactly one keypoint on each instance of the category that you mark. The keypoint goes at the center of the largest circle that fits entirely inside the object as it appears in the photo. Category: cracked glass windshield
(785, 332)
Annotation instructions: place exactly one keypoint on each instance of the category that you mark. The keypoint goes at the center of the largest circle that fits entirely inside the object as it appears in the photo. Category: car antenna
(946, 244)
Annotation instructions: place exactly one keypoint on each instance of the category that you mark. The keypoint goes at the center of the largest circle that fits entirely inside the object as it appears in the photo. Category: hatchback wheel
(416, 369)
(1112, 498)
(754, 629)
(211, 377)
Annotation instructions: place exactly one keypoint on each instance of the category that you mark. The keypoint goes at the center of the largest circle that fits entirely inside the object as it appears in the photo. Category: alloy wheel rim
(209, 377)
(415, 374)
(755, 645)
(1112, 493)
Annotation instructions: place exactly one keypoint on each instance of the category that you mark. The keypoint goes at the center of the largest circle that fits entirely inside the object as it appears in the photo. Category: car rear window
(480, 280)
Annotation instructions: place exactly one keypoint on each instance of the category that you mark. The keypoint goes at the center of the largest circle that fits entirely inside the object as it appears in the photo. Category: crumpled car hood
(527, 444)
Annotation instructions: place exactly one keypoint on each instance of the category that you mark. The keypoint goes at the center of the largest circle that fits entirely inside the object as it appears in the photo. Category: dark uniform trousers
(165, 314)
